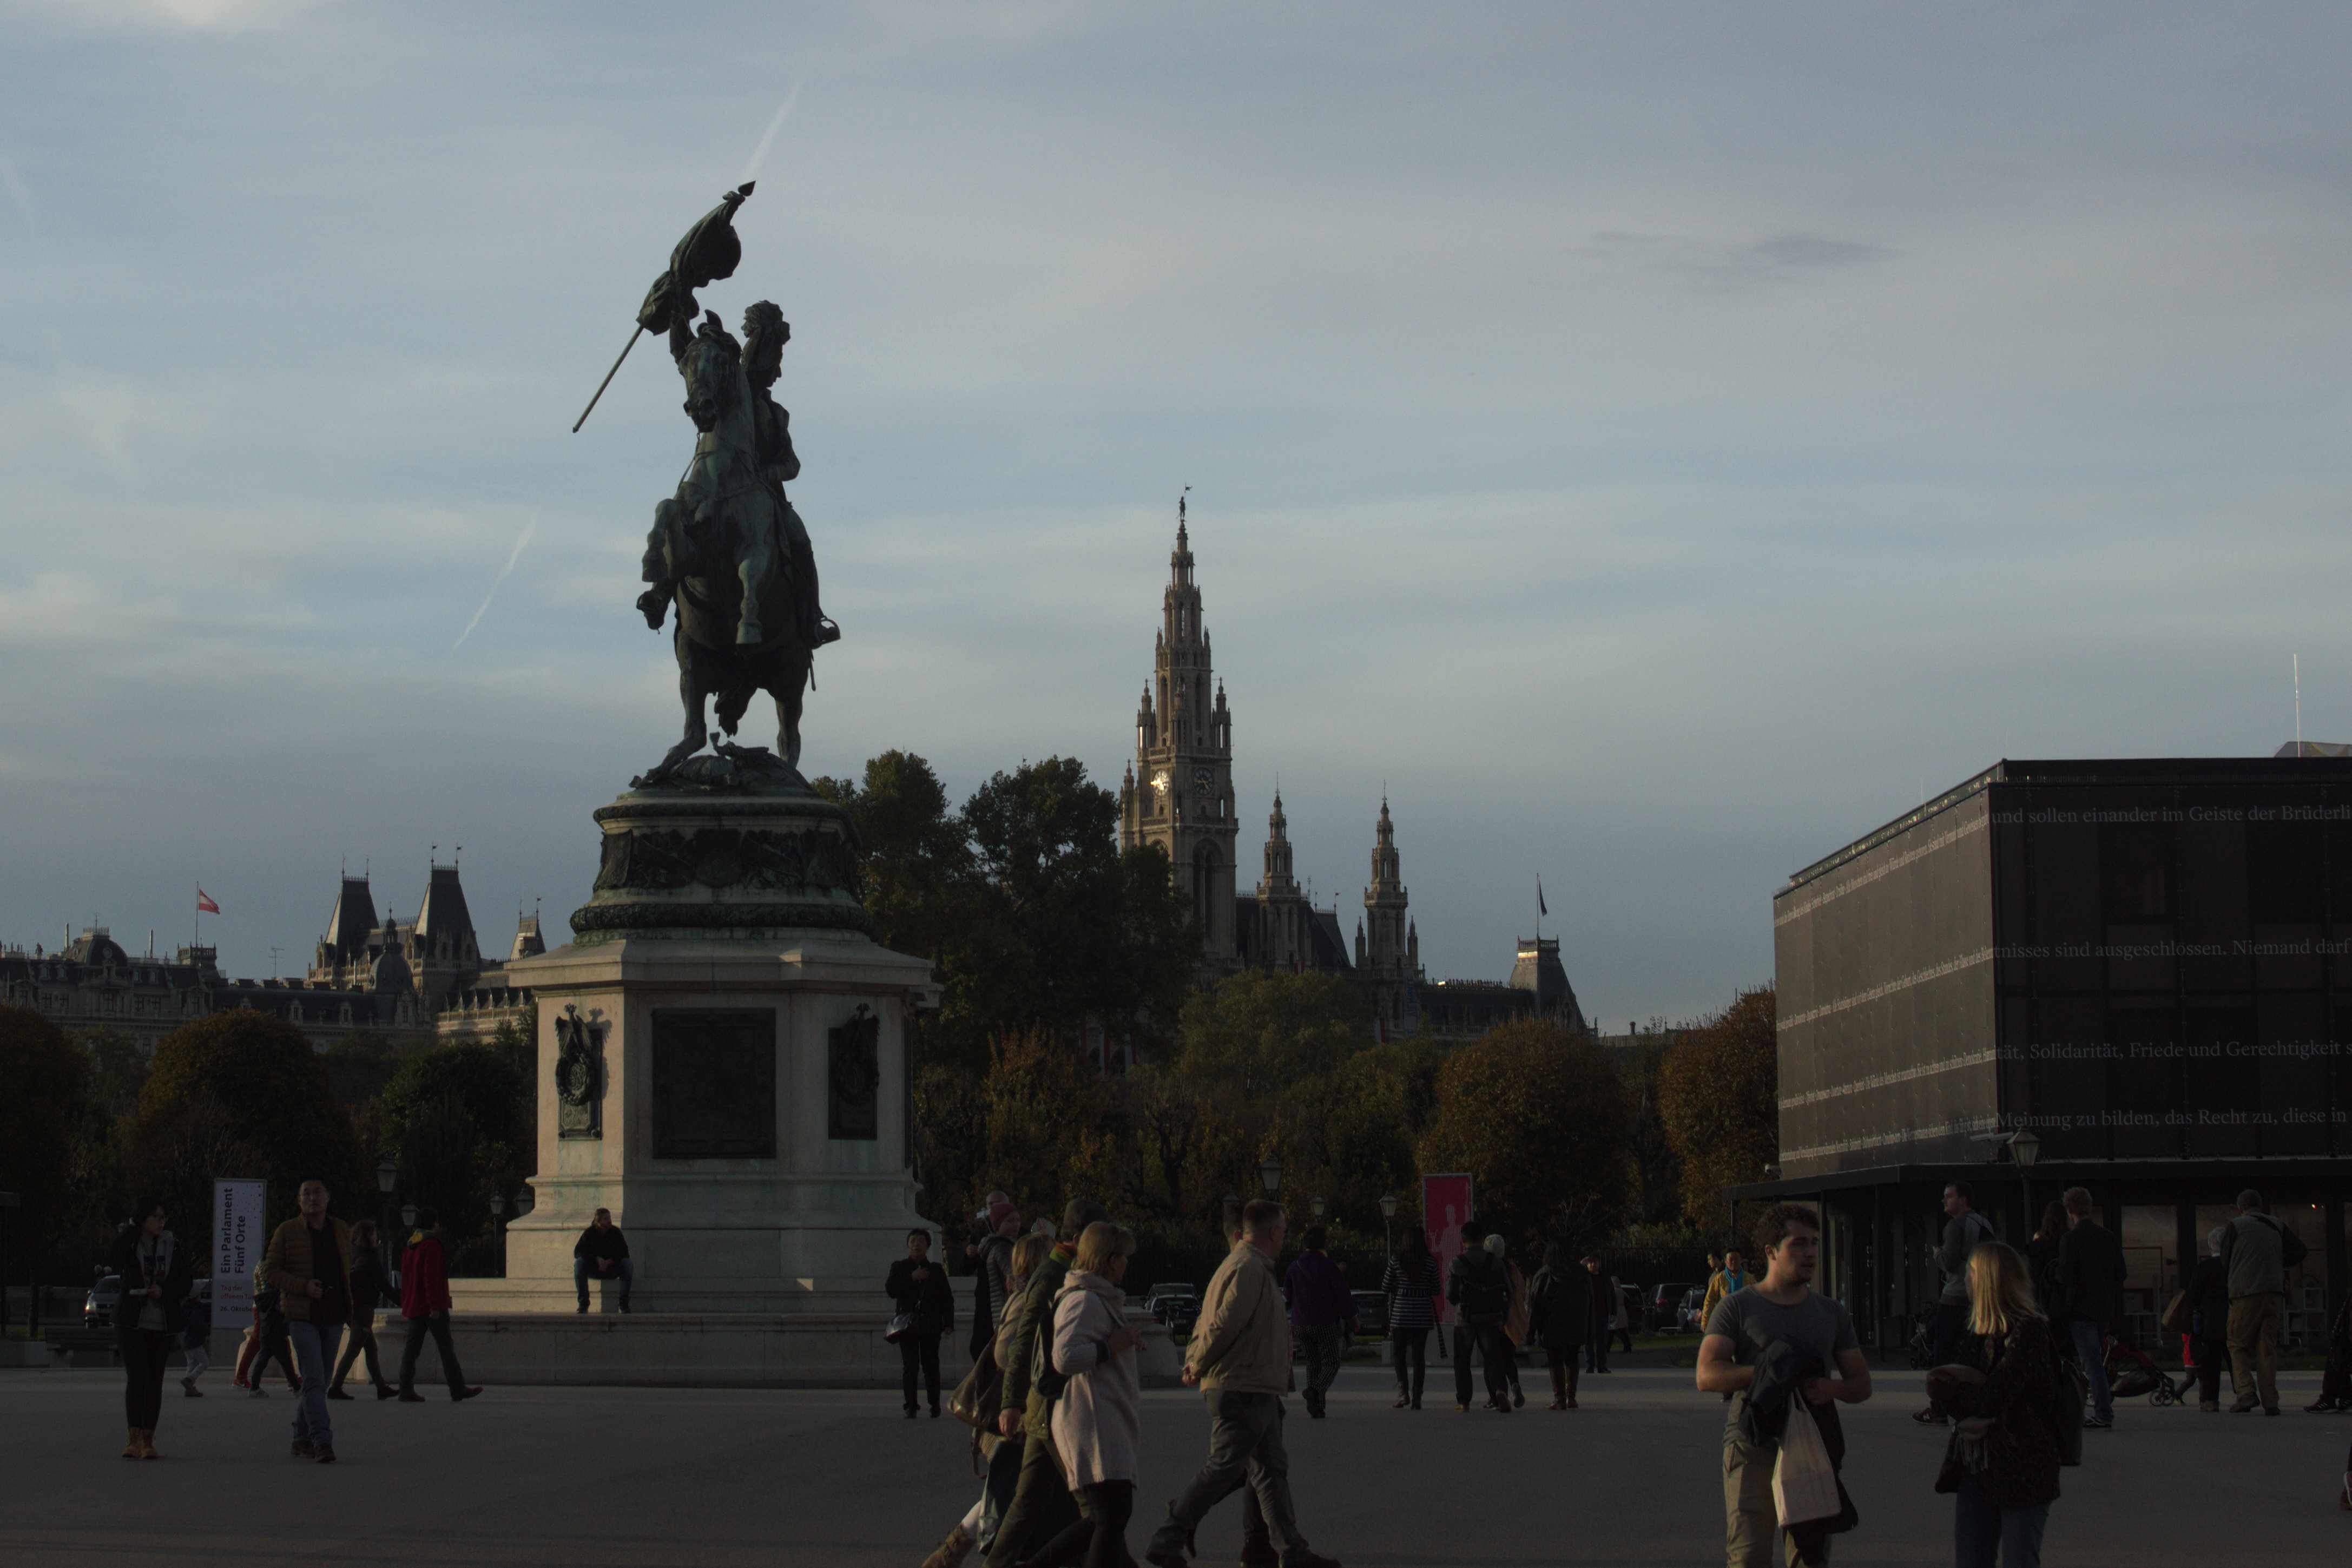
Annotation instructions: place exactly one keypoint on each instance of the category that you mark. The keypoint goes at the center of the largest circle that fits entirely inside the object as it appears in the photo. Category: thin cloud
(20, 195)
(504, 572)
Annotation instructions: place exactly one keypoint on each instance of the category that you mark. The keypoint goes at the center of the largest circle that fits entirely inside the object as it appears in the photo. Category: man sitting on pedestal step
(603, 1253)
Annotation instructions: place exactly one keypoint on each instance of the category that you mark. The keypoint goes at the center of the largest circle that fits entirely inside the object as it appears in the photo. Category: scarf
(154, 1254)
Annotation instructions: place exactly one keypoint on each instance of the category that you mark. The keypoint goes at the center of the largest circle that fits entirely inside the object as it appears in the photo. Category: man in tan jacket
(308, 1260)
(1240, 1357)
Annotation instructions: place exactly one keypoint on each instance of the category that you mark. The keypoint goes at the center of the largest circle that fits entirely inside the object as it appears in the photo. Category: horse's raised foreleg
(691, 696)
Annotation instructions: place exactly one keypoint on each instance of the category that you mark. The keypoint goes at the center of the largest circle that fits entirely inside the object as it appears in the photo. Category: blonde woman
(1097, 1422)
(1002, 1456)
(2001, 1466)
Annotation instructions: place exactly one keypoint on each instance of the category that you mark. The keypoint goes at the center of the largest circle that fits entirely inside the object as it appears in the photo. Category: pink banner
(1444, 1210)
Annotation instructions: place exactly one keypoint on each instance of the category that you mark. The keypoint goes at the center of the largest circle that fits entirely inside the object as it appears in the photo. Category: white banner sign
(238, 1244)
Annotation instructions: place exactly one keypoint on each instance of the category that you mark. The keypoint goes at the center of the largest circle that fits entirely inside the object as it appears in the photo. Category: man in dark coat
(1478, 1287)
(918, 1290)
(2091, 1280)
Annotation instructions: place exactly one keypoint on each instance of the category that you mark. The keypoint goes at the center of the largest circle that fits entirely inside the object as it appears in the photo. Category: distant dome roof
(95, 946)
(391, 972)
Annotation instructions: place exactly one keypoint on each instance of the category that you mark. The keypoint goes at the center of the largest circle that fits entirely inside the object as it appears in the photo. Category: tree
(457, 1119)
(117, 1071)
(239, 1093)
(1267, 1031)
(1657, 1167)
(915, 862)
(1719, 1097)
(1536, 1113)
(45, 1106)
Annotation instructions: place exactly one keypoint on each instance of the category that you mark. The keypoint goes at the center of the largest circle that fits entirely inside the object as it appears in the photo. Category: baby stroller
(2131, 1373)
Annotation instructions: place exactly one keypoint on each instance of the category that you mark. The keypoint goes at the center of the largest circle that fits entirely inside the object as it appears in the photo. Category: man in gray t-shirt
(1779, 1306)
(1816, 1324)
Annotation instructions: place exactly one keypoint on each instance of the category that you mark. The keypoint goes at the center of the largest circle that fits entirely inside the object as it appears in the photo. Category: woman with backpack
(1097, 1419)
(2003, 1396)
(1411, 1286)
(1560, 1308)
(997, 1457)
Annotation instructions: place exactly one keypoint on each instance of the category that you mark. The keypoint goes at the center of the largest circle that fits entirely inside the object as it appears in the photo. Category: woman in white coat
(1096, 1421)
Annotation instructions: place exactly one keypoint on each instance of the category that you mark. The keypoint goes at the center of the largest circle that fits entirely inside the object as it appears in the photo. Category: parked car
(1371, 1313)
(98, 1307)
(1161, 1299)
(1664, 1306)
(1686, 1315)
(1180, 1312)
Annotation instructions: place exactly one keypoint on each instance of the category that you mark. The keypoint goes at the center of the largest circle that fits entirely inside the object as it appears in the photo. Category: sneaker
(337, 1393)
(188, 1387)
(410, 1396)
(325, 1455)
(386, 1391)
(302, 1449)
(1519, 1397)
(2098, 1423)
(458, 1395)
(1931, 1417)
(258, 1393)
(2323, 1408)
(2244, 1407)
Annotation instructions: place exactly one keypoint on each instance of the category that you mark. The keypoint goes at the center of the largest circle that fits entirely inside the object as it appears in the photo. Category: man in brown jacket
(308, 1260)
(1240, 1357)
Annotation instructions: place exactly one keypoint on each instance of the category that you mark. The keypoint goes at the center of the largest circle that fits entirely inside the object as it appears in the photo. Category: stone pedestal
(722, 1063)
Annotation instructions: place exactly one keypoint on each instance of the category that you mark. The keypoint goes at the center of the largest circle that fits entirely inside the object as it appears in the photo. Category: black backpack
(1486, 1293)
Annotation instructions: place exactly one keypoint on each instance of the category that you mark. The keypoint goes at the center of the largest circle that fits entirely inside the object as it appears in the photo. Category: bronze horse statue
(731, 553)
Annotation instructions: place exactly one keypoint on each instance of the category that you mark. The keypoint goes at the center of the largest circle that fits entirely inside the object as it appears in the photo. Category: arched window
(1205, 865)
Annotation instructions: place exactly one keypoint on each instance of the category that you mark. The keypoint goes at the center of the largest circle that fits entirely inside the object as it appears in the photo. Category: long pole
(634, 333)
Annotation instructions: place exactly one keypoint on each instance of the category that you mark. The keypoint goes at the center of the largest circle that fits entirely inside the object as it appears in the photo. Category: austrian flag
(204, 904)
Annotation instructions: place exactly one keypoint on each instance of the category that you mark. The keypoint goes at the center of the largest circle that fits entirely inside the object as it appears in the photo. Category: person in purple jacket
(1322, 1316)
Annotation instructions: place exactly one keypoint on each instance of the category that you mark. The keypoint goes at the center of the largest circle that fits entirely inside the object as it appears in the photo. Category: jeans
(1098, 1538)
(1946, 1327)
(2253, 1347)
(1409, 1352)
(1596, 1350)
(921, 1351)
(582, 1273)
(199, 1358)
(144, 1353)
(314, 1352)
(1985, 1533)
(437, 1325)
(1245, 1448)
(362, 1341)
(1323, 1345)
(1561, 1360)
(2095, 1367)
(1494, 1348)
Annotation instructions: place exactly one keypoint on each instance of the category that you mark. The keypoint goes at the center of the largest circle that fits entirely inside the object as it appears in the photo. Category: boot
(951, 1551)
(1559, 1388)
(131, 1444)
(147, 1444)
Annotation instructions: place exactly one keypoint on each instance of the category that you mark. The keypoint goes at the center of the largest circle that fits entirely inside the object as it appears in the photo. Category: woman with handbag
(2002, 1465)
(997, 1457)
(925, 1310)
(154, 1274)
(1098, 1420)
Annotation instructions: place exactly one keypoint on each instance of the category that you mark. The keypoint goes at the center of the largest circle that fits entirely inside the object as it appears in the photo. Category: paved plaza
(639, 1477)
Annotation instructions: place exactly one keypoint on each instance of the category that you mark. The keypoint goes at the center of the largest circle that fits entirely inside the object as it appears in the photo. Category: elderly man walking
(2256, 1253)
(1240, 1357)
(308, 1260)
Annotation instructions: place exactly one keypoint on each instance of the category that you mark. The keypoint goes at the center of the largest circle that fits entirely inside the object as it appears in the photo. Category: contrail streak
(24, 198)
(504, 572)
(768, 136)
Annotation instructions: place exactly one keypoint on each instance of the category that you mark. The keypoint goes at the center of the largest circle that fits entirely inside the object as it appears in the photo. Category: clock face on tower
(1201, 779)
(1160, 781)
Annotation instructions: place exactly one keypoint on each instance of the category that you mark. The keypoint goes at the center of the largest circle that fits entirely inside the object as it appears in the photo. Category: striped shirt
(1412, 1294)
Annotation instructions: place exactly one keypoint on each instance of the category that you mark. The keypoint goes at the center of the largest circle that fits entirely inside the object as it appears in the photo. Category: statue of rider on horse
(727, 549)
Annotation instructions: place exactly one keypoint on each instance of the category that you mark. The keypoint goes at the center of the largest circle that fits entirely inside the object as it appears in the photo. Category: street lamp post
(1269, 1175)
(387, 1175)
(498, 1219)
(2024, 1148)
(1388, 1215)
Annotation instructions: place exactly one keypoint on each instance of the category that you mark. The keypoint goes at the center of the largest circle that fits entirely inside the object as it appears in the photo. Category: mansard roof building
(1178, 796)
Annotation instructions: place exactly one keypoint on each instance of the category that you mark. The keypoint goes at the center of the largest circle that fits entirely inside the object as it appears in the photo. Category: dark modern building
(2146, 963)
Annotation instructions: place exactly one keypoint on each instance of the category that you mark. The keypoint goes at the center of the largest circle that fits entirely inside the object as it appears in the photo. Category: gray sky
(1659, 442)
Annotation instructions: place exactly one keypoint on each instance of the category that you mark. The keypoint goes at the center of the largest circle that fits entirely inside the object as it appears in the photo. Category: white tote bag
(1804, 1486)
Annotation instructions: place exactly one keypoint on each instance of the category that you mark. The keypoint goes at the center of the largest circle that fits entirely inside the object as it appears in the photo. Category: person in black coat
(155, 1274)
(2208, 1305)
(1559, 1309)
(368, 1284)
(2090, 1282)
(918, 1290)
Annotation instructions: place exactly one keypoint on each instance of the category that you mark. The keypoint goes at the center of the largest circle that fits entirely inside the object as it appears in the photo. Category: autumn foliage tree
(1536, 1113)
(1719, 1097)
